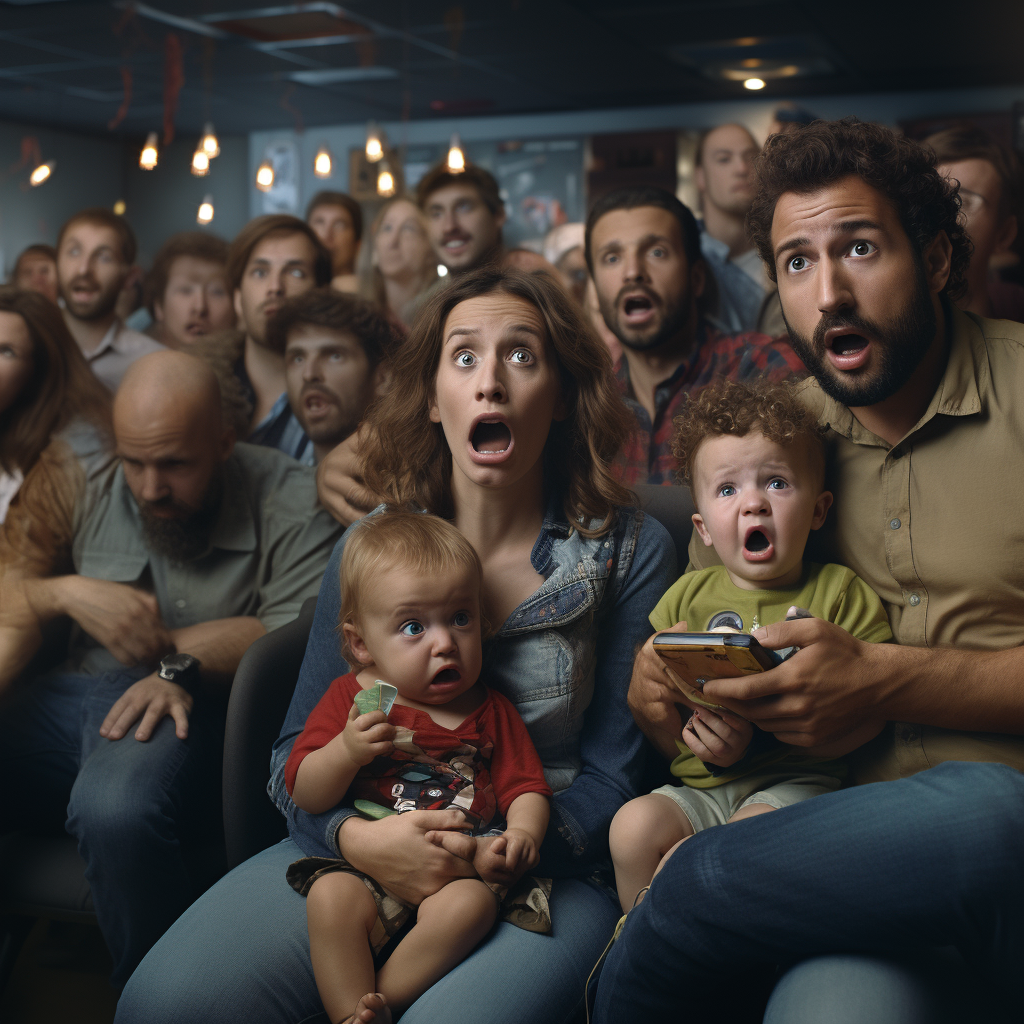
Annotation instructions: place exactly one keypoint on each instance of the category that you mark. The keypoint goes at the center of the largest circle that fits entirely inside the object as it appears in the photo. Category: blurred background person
(563, 249)
(402, 265)
(187, 291)
(95, 259)
(988, 175)
(46, 391)
(338, 221)
(36, 270)
(336, 349)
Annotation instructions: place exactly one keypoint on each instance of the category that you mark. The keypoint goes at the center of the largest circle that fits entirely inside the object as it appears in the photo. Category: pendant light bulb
(322, 165)
(149, 155)
(205, 214)
(209, 144)
(265, 176)
(456, 158)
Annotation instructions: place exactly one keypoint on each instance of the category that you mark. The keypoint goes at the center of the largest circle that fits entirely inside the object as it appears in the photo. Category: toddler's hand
(717, 738)
(502, 859)
(367, 736)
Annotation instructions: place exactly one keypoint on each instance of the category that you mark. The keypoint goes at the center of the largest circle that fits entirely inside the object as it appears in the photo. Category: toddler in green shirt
(754, 460)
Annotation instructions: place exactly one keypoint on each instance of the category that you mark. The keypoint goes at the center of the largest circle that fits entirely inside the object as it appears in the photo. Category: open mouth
(757, 541)
(491, 437)
(637, 305)
(455, 243)
(757, 545)
(448, 675)
(848, 350)
(848, 344)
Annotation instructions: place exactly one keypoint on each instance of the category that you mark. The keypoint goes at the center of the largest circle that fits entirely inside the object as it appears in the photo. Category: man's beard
(674, 319)
(100, 306)
(900, 343)
(186, 535)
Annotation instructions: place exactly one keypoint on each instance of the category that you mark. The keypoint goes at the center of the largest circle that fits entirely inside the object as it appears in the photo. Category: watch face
(175, 665)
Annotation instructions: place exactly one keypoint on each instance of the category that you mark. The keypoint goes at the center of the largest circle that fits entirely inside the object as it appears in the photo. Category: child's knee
(643, 823)
(339, 895)
(463, 899)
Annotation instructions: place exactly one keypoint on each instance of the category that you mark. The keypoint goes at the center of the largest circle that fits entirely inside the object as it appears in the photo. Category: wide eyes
(862, 248)
(412, 628)
(796, 264)
(778, 484)
(465, 359)
(726, 491)
(518, 356)
(461, 619)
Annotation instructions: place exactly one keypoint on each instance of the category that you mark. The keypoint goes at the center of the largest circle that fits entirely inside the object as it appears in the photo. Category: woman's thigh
(518, 976)
(240, 953)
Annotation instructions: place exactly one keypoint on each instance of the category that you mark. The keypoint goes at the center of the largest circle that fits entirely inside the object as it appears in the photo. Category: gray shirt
(267, 552)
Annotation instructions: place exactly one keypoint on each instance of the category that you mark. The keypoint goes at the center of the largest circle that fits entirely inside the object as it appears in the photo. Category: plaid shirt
(646, 457)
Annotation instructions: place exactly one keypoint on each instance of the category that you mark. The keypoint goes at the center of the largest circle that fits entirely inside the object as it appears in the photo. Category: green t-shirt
(708, 599)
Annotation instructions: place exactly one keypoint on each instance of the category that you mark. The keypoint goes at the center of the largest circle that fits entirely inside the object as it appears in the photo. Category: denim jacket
(563, 658)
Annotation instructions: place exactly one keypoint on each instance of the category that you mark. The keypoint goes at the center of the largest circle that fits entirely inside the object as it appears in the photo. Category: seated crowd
(498, 793)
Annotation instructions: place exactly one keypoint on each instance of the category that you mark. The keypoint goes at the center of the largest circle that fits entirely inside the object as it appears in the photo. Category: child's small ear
(354, 642)
(821, 507)
(698, 523)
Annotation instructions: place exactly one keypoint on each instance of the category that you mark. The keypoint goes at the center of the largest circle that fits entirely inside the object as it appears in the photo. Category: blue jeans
(129, 804)
(241, 953)
(883, 871)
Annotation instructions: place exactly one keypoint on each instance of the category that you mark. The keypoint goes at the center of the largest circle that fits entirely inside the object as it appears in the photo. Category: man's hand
(124, 620)
(717, 738)
(339, 482)
(366, 736)
(412, 855)
(152, 698)
(828, 689)
(653, 699)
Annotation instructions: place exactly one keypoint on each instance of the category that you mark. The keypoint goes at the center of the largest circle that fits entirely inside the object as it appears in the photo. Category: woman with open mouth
(501, 415)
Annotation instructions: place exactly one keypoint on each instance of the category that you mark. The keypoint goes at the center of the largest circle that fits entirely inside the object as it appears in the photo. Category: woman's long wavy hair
(61, 388)
(406, 458)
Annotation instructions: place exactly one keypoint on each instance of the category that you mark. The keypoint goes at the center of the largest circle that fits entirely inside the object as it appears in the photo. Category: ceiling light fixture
(200, 163)
(42, 172)
(119, 207)
(209, 144)
(322, 164)
(385, 181)
(148, 156)
(205, 214)
(753, 83)
(374, 145)
(456, 158)
(265, 176)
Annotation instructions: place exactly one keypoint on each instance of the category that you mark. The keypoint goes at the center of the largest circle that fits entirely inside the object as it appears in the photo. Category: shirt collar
(961, 390)
(109, 341)
(713, 247)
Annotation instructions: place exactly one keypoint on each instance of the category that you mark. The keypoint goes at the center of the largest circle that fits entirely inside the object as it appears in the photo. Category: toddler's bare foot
(371, 1009)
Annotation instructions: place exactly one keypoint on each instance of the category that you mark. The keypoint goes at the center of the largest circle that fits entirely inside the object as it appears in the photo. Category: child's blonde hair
(416, 541)
(738, 407)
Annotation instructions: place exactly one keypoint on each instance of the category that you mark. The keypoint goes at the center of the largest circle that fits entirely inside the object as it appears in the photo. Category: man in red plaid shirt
(643, 249)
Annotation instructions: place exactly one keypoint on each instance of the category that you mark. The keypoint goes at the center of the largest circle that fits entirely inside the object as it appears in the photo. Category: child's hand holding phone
(717, 737)
(367, 736)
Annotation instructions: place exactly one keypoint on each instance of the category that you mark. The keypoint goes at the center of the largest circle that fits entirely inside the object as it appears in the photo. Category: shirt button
(894, 524)
(180, 603)
(915, 600)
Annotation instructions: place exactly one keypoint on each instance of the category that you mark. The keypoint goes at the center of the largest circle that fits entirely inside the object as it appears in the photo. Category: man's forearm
(218, 644)
(974, 691)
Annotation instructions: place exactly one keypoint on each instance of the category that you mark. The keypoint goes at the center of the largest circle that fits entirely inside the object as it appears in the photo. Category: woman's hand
(398, 851)
(654, 698)
(339, 482)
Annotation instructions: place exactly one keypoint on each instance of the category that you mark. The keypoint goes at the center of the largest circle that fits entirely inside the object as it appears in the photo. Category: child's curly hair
(736, 408)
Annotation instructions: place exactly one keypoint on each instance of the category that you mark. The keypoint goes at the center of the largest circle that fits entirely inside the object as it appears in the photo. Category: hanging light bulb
(322, 163)
(148, 156)
(374, 146)
(265, 176)
(42, 172)
(456, 158)
(119, 207)
(205, 214)
(209, 144)
(200, 163)
(385, 181)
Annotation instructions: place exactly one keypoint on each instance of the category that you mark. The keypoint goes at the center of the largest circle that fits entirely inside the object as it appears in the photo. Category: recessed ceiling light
(754, 83)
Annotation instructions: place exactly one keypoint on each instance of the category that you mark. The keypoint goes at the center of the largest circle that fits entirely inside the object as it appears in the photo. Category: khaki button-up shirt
(934, 525)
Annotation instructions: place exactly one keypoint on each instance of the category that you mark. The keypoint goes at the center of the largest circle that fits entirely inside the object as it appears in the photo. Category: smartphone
(704, 656)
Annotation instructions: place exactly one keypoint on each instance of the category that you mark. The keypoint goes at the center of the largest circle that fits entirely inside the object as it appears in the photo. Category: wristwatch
(179, 668)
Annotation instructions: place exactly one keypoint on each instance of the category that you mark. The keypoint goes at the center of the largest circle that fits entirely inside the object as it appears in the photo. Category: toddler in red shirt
(411, 618)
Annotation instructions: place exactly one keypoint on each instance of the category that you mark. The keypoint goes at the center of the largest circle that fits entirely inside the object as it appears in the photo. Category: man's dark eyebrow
(846, 227)
(647, 240)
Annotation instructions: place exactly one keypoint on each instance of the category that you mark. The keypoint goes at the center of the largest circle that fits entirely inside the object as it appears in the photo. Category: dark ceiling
(249, 67)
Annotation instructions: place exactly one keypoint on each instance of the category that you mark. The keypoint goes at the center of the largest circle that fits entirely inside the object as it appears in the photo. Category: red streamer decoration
(174, 79)
(285, 103)
(122, 111)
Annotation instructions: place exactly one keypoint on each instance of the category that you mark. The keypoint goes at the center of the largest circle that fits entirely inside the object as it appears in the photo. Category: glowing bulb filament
(205, 214)
(265, 176)
(148, 156)
(200, 163)
(322, 164)
(209, 144)
(456, 158)
(42, 172)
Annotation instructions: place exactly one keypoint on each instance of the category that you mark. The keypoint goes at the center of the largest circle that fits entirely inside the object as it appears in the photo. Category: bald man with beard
(174, 560)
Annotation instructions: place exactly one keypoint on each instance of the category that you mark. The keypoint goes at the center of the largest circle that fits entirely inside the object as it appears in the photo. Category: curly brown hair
(823, 152)
(406, 458)
(738, 407)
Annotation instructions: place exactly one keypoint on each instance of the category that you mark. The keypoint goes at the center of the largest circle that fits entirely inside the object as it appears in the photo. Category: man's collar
(961, 391)
(108, 341)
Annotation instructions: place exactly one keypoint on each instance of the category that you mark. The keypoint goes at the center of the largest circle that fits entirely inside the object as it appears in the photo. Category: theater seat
(672, 507)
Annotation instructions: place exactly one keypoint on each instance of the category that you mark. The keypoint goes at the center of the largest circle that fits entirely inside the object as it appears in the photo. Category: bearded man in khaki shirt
(904, 900)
